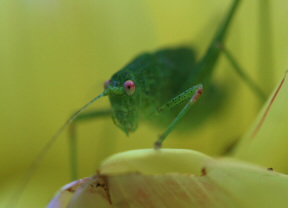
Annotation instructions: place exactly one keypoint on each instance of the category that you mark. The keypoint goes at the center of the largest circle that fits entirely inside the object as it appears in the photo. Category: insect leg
(205, 67)
(192, 95)
(73, 136)
(253, 86)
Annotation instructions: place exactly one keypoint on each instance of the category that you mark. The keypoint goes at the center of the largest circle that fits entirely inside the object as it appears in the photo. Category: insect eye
(106, 84)
(130, 87)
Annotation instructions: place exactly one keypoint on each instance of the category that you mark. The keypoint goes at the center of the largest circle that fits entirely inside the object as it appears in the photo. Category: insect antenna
(41, 155)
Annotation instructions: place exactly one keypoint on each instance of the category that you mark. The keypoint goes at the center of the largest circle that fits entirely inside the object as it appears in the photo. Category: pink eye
(106, 84)
(130, 87)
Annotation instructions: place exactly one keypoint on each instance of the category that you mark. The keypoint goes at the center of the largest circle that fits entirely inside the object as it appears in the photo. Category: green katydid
(154, 85)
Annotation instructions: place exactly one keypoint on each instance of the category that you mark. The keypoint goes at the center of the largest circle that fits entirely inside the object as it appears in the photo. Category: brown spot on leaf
(270, 169)
(100, 186)
(70, 189)
(204, 171)
(76, 185)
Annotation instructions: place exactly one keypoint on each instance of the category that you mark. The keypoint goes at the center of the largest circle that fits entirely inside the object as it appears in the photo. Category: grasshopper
(166, 83)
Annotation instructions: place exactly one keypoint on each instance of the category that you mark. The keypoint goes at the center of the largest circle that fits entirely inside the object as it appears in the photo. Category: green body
(163, 75)
(158, 77)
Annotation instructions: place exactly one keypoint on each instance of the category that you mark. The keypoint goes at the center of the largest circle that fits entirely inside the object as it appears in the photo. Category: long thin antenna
(35, 164)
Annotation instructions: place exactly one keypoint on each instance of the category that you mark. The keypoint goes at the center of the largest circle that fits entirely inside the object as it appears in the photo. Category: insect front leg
(192, 95)
(73, 136)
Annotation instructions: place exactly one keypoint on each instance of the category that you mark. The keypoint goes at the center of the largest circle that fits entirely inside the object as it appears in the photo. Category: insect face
(125, 100)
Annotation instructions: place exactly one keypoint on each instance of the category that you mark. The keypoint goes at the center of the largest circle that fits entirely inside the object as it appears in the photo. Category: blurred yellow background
(55, 56)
